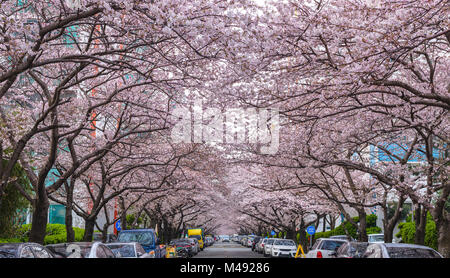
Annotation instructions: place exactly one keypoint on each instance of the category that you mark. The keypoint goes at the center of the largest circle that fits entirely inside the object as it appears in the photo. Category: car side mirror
(139, 254)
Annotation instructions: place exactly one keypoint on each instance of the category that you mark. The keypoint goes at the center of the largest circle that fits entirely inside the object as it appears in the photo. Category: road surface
(228, 250)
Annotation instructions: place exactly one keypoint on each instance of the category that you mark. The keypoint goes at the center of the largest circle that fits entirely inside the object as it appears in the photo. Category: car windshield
(269, 241)
(198, 237)
(125, 250)
(145, 238)
(374, 238)
(408, 252)
(331, 244)
(284, 242)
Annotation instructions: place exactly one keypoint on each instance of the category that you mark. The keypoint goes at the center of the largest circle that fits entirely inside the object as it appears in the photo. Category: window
(100, 252)
(140, 237)
(57, 214)
(331, 245)
(70, 36)
(402, 252)
(316, 244)
(108, 252)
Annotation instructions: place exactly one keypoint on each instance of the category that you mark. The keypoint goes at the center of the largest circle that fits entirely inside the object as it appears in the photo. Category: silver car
(400, 250)
(268, 246)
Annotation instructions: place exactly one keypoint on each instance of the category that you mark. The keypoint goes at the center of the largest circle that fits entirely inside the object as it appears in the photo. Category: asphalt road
(227, 250)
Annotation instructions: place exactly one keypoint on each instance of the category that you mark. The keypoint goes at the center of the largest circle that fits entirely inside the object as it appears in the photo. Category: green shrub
(373, 230)
(10, 240)
(54, 233)
(408, 232)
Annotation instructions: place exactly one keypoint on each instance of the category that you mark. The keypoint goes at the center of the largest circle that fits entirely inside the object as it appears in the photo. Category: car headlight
(275, 249)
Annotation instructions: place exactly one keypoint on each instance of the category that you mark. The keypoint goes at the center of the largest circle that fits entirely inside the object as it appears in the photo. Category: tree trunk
(389, 223)
(105, 232)
(69, 224)
(89, 226)
(40, 218)
(443, 230)
(69, 219)
(362, 226)
(389, 230)
(332, 222)
(421, 222)
(303, 241)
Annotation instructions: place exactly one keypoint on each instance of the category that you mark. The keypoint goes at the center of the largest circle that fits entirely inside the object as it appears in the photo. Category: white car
(283, 248)
(324, 247)
(268, 246)
(376, 238)
(400, 250)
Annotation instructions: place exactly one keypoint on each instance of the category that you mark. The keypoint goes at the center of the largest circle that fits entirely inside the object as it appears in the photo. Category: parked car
(255, 242)
(351, 249)
(283, 248)
(184, 243)
(324, 246)
(196, 247)
(128, 250)
(268, 246)
(225, 238)
(81, 250)
(400, 250)
(376, 238)
(25, 250)
(109, 237)
(194, 243)
(260, 245)
(209, 241)
(147, 238)
(243, 241)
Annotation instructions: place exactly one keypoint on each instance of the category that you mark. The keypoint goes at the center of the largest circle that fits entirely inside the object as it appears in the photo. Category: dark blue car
(147, 238)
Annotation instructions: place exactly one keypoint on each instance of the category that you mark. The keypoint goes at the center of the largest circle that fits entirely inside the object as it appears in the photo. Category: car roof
(81, 243)
(11, 244)
(333, 239)
(406, 245)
